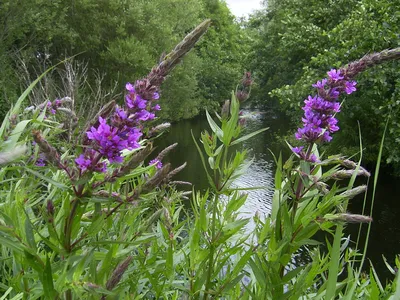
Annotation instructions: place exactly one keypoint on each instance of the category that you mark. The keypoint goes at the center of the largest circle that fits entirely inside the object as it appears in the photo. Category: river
(385, 230)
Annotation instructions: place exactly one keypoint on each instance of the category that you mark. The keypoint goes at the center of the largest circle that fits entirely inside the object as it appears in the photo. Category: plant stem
(68, 226)
(68, 295)
(212, 248)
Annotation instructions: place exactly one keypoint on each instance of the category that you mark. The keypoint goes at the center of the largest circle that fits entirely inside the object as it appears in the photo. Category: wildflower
(41, 161)
(107, 141)
(334, 75)
(297, 150)
(320, 84)
(156, 162)
(82, 162)
(89, 160)
(350, 87)
(319, 121)
(300, 153)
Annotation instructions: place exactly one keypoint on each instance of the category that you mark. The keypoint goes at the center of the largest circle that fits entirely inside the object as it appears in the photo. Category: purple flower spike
(318, 120)
(122, 130)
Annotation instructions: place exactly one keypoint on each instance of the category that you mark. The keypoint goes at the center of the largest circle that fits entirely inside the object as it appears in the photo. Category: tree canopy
(123, 39)
(299, 41)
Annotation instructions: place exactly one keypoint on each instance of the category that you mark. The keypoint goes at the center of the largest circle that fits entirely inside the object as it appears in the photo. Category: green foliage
(301, 40)
(121, 40)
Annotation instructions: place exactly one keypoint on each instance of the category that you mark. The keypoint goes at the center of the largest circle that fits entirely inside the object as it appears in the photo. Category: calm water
(385, 231)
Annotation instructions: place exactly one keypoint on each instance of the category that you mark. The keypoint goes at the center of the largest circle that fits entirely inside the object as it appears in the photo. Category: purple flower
(334, 75)
(123, 131)
(297, 150)
(300, 153)
(87, 161)
(41, 161)
(156, 96)
(334, 93)
(320, 84)
(130, 87)
(313, 158)
(83, 163)
(156, 162)
(350, 86)
(107, 141)
(318, 120)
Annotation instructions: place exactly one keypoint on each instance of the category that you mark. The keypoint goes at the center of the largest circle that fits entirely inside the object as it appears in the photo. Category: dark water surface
(385, 231)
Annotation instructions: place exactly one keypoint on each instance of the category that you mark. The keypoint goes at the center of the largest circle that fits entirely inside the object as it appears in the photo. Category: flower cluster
(122, 131)
(53, 106)
(140, 107)
(319, 121)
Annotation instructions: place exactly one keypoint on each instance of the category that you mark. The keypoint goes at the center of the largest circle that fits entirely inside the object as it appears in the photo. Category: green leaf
(6, 293)
(210, 181)
(214, 127)
(29, 233)
(233, 282)
(334, 264)
(48, 285)
(96, 226)
(49, 180)
(14, 136)
(247, 136)
(12, 244)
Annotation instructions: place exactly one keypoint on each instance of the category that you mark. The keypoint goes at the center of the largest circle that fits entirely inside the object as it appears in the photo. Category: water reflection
(260, 173)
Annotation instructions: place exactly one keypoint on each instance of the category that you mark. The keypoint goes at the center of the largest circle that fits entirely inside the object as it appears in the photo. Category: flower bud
(344, 174)
(354, 192)
(48, 150)
(50, 207)
(159, 128)
(118, 272)
(242, 96)
(353, 218)
(345, 217)
(134, 161)
(322, 187)
(349, 164)
(156, 179)
(225, 109)
(176, 171)
(163, 153)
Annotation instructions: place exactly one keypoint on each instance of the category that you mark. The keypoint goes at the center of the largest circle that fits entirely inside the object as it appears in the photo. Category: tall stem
(68, 226)
(212, 247)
